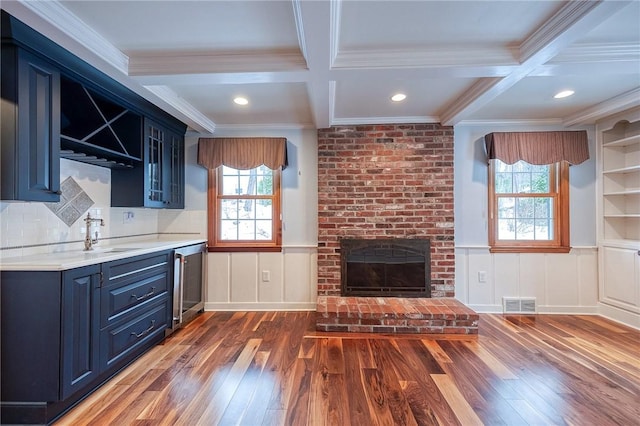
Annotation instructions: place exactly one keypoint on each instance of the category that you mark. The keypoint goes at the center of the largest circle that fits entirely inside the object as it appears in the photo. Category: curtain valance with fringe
(242, 153)
(538, 147)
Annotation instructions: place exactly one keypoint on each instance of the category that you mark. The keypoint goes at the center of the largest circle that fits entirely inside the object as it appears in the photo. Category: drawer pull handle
(144, 296)
(147, 331)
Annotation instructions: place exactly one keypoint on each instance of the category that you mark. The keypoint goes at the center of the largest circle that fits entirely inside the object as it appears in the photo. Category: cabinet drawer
(120, 341)
(118, 301)
(129, 269)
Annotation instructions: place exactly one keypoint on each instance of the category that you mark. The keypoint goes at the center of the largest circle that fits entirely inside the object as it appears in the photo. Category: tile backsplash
(73, 202)
(30, 227)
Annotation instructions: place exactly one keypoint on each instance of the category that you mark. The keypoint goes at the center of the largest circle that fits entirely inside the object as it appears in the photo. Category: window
(528, 207)
(244, 209)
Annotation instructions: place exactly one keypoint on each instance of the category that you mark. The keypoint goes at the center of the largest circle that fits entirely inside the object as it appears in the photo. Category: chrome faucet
(88, 241)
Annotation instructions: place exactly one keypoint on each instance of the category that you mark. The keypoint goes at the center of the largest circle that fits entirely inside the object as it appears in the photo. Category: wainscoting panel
(262, 281)
(300, 280)
(244, 277)
(480, 293)
(270, 287)
(562, 283)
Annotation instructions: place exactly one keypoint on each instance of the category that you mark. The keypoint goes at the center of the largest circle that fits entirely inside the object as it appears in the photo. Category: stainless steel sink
(111, 250)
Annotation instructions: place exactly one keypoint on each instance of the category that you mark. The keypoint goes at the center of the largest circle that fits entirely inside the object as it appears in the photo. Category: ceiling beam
(314, 21)
(171, 62)
(573, 20)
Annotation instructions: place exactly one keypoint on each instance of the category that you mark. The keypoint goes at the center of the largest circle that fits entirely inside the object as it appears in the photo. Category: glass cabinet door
(155, 147)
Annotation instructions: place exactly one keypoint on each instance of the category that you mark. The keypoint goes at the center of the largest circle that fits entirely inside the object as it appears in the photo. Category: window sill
(511, 249)
(245, 249)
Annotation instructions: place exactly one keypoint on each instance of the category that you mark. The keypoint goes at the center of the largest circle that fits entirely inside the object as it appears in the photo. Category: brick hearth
(395, 315)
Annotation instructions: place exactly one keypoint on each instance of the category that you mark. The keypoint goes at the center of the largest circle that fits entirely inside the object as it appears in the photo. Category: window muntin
(528, 207)
(244, 208)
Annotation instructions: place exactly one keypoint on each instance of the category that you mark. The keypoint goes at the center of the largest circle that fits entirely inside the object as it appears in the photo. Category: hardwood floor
(272, 368)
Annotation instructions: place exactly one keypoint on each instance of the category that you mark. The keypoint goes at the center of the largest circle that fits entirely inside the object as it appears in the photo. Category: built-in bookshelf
(621, 181)
(619, 210)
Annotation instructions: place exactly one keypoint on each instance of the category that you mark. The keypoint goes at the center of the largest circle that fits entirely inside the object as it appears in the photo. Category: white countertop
(61, 261)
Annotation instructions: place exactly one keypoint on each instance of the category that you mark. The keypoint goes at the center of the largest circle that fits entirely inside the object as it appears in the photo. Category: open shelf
(630, 140)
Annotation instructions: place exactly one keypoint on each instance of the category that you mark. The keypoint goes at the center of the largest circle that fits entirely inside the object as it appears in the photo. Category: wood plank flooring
(272, 368)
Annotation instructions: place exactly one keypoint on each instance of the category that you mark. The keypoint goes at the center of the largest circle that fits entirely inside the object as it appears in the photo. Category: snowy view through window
(525, 201)
(246, 206)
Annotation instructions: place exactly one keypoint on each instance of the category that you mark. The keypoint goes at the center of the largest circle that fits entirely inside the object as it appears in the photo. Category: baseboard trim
(567, 310)
(486, 309)
(541, 309)
(257, 306)
(621, 316)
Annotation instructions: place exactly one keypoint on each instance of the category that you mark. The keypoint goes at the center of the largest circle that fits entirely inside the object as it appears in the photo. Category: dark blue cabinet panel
(30, 127)
(80, 328)
(30, 329)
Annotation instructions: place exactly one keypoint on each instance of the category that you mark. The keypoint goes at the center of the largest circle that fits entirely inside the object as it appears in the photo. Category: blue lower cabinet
(65, 333)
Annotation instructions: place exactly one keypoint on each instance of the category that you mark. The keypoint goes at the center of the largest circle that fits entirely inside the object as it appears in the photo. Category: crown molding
(599, 52)
(270, 126)
(206, 79)
(335, 12)
(297, 16)
(450, 56)
(515, 122)
(54, 13)
(611, 106)
(354, 121)
(171, 98)
(544, 41)
(332, 101)
(172, 62)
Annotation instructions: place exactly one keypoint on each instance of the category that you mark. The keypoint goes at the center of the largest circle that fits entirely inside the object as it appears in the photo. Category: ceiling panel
(533, 98)
(268, 103)
(393, 24)
(623, 26)
(191, 25)
(369, 99)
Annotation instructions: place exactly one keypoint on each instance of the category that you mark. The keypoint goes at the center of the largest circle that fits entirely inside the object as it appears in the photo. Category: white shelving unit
(619, 210)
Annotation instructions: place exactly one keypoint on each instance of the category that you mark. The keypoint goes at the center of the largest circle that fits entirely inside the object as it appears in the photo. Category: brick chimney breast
(386, 181)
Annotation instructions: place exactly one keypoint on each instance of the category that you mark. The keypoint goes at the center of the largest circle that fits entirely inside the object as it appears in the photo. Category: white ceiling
(314, 64)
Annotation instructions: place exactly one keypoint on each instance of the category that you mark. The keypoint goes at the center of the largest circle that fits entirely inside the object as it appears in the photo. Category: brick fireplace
(390, 181)
(386, 181)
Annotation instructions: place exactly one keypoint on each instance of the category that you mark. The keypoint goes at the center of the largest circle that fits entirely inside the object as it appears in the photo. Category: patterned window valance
(538, 147)
(242, 153)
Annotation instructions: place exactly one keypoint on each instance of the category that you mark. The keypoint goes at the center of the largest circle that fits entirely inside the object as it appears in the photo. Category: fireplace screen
(386, 267)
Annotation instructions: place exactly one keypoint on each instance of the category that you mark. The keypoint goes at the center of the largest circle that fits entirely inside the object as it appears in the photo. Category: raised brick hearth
(395, 315)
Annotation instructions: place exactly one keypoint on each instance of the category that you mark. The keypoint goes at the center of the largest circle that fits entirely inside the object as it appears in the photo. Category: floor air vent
(519, 305)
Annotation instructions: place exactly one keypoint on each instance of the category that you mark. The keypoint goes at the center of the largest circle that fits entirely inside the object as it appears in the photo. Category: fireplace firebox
(396, 267)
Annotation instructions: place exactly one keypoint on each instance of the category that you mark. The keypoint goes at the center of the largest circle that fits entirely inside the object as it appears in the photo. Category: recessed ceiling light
(241, 101)
(398, 97)
(563, 94)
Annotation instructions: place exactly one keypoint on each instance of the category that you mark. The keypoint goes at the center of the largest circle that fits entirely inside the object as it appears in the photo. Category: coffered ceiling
(314, 64)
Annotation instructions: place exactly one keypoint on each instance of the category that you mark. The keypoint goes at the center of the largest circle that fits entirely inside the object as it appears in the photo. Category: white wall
(560, 282)
(235, 280)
